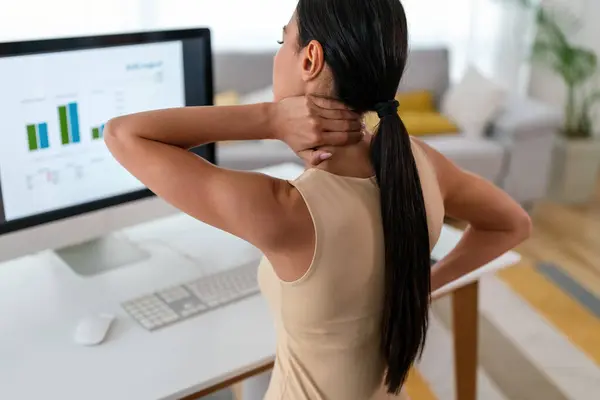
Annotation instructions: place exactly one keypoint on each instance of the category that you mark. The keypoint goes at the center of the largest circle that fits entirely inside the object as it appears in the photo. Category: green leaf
(575, 65)
(549, 28)
(582, 64)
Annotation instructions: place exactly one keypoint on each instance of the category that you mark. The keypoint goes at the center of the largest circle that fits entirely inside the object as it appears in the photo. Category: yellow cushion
(427, 123)
(229, 98)
(418, 100)
(418, 123)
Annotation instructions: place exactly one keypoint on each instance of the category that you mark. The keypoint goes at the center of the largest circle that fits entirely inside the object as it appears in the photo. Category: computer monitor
(60, 188)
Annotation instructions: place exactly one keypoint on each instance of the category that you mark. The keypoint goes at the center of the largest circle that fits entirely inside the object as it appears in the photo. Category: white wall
(546, 86)
(35, 19)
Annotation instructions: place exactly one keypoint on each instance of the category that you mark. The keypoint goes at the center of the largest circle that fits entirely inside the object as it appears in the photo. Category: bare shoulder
(446, 171)
(266, 211)
(250, 205)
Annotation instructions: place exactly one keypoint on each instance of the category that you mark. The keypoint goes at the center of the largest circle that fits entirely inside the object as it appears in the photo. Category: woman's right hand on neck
(308, 123)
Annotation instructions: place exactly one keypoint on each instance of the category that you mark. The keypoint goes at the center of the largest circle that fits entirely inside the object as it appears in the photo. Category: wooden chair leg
(237, 390)
(465, 314)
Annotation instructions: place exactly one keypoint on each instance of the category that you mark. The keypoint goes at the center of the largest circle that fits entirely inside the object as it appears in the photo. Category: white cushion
(473, 103)
(264, 95)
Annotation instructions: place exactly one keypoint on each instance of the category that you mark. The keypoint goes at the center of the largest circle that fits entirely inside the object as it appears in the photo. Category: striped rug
(539, 339)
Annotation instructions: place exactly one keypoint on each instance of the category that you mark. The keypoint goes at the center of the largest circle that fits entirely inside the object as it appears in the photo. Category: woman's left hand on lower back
(307, 123)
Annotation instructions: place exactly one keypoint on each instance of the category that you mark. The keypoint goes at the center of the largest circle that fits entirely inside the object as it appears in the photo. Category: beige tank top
(328, 321)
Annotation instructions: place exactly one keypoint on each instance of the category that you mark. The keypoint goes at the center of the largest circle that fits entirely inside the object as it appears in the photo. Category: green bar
(64, 124)
(96, 133)
(32, 137)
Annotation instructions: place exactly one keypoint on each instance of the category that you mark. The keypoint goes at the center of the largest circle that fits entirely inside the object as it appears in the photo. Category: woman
(347, 245)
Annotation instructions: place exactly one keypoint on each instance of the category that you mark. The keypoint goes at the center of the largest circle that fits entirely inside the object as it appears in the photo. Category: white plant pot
(575, 170)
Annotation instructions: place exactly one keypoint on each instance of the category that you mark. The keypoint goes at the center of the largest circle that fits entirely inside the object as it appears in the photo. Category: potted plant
(576, 162)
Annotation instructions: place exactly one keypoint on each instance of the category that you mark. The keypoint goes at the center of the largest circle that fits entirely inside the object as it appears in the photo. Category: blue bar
(42, 131)
(74, 122)
(102, 130)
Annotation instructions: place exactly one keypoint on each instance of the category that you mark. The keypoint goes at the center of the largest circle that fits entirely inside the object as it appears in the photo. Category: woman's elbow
(115, 132)
(522, 225)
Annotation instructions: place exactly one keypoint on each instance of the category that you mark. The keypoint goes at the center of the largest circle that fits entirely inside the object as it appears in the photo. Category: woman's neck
(352, 160)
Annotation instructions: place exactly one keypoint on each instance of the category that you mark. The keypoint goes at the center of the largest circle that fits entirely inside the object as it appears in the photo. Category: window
(34, 19)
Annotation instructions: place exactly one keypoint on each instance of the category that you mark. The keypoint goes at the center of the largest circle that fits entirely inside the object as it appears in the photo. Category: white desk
(41, 301)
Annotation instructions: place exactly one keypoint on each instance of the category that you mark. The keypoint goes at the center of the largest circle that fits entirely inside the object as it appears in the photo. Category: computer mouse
(92, 330)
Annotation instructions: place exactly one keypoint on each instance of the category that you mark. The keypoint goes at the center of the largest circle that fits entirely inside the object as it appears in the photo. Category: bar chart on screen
(68, 115)
(104, 104)
(62, 150)
(37, 136)
(60, 122)
(35, 131)
(52, 126)
(98, 132)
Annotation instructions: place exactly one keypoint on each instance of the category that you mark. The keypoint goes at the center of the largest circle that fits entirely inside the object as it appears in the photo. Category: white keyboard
(177, 303)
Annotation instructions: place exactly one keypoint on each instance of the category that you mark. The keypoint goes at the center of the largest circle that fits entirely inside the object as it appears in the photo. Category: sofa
(515, 151)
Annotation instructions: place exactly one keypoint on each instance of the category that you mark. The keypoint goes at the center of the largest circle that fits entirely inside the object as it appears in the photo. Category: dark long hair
(365, 44)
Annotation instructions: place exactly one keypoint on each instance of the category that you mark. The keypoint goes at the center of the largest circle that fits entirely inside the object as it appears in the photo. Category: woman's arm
(153, 147)
(188, 127)
(304, 123)
(496, 222)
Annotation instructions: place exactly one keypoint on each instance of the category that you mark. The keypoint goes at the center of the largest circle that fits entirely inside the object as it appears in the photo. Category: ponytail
(407, 252)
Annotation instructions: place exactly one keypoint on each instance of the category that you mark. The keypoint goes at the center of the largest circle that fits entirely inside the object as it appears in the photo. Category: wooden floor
(568, 236)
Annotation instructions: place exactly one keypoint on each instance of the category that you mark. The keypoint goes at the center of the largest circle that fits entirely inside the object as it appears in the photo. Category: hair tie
(387, 108)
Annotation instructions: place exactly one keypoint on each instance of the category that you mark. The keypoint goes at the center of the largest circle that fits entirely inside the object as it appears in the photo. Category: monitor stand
(101, 255)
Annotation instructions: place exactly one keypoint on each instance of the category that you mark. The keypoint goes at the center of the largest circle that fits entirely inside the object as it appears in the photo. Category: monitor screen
(56, 97)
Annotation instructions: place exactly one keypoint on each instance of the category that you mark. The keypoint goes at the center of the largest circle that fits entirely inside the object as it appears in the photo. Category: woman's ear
(313, 61)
